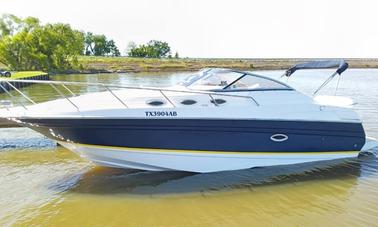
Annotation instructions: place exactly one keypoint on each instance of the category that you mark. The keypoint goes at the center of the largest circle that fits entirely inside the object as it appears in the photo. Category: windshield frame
(243, 74)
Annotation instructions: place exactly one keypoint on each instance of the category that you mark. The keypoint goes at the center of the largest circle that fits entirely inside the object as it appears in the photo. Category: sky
(222, 28)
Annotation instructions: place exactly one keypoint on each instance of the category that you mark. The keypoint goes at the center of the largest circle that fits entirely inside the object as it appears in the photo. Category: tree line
(27, 44)
(153, 49)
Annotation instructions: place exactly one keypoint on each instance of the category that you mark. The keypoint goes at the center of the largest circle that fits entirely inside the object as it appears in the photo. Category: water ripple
(23, 138)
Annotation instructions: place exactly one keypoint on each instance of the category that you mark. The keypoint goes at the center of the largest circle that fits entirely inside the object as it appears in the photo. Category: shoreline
(92, 65)
(99, 64)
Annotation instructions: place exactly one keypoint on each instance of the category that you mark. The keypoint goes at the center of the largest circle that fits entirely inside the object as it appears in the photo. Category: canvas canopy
(341, 66)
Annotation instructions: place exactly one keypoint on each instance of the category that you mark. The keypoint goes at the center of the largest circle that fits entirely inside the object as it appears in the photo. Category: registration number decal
(161, 113)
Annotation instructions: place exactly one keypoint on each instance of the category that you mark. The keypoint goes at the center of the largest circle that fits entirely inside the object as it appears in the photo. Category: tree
(99, 45)
(158, 49)
(9, 24)
(153, 49)
(177, 55)
(139, 51)
(25, 44)
(59, 43)
(88, 42)
(130, 46)
(113, 49)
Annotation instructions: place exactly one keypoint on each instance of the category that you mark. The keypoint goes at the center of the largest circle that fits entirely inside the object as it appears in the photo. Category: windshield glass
(251, 82)
(194, 77)
(219, 79)
(216, 79)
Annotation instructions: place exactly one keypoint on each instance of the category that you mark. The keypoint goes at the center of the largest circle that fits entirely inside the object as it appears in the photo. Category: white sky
(219, 28)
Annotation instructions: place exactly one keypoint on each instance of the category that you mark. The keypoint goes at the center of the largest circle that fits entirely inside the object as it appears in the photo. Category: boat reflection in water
(100, 180)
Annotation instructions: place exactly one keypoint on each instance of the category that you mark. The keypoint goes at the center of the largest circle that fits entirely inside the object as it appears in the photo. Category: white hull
(194, 161)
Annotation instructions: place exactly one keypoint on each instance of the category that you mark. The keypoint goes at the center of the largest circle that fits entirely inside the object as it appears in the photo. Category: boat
(216, 120)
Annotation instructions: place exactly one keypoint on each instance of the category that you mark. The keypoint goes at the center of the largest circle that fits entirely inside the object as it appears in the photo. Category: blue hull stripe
(205, 134)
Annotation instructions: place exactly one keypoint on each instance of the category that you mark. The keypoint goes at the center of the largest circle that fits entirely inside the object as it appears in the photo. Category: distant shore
(126, 64)
(98, 64)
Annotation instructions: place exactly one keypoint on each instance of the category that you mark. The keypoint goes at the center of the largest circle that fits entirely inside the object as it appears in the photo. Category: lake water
(45, 185)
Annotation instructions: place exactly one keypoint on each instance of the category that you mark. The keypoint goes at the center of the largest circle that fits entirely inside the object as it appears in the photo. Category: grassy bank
(26, 74)
(126, 64)
(153, 64)
(95, 64)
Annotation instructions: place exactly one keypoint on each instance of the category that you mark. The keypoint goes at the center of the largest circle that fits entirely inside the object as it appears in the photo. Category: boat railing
(6, 85)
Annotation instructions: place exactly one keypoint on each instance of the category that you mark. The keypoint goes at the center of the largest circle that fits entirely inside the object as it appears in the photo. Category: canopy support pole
(325, 83)
(337, 85)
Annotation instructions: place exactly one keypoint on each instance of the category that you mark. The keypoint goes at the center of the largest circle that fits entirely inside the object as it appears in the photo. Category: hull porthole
(279, 137)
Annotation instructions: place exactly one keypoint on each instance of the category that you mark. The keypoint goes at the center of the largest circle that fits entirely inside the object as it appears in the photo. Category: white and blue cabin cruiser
(216, 120)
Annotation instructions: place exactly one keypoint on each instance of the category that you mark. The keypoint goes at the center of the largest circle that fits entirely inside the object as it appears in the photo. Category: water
(45, 185)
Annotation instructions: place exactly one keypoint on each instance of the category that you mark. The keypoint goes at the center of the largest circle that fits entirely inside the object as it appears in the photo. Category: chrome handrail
(63, 96)
(111, 92)
(25, 96)
(64, 84)
(12, 96)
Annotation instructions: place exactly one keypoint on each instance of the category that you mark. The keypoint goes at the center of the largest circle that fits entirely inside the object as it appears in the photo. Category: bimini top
(217, 79)
(340, 64)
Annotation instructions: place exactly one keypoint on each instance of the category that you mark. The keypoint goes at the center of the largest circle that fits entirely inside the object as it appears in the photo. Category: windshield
(224, 79)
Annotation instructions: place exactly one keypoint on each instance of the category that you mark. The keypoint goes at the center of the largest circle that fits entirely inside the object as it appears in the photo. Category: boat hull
(201, 145)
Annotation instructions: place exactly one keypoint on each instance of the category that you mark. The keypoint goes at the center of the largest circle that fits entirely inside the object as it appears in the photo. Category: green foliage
(9, 24)
(153, 49)
(25, 74)
(177, 55)
(113, 49)
(98, 45)
(25, 44)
